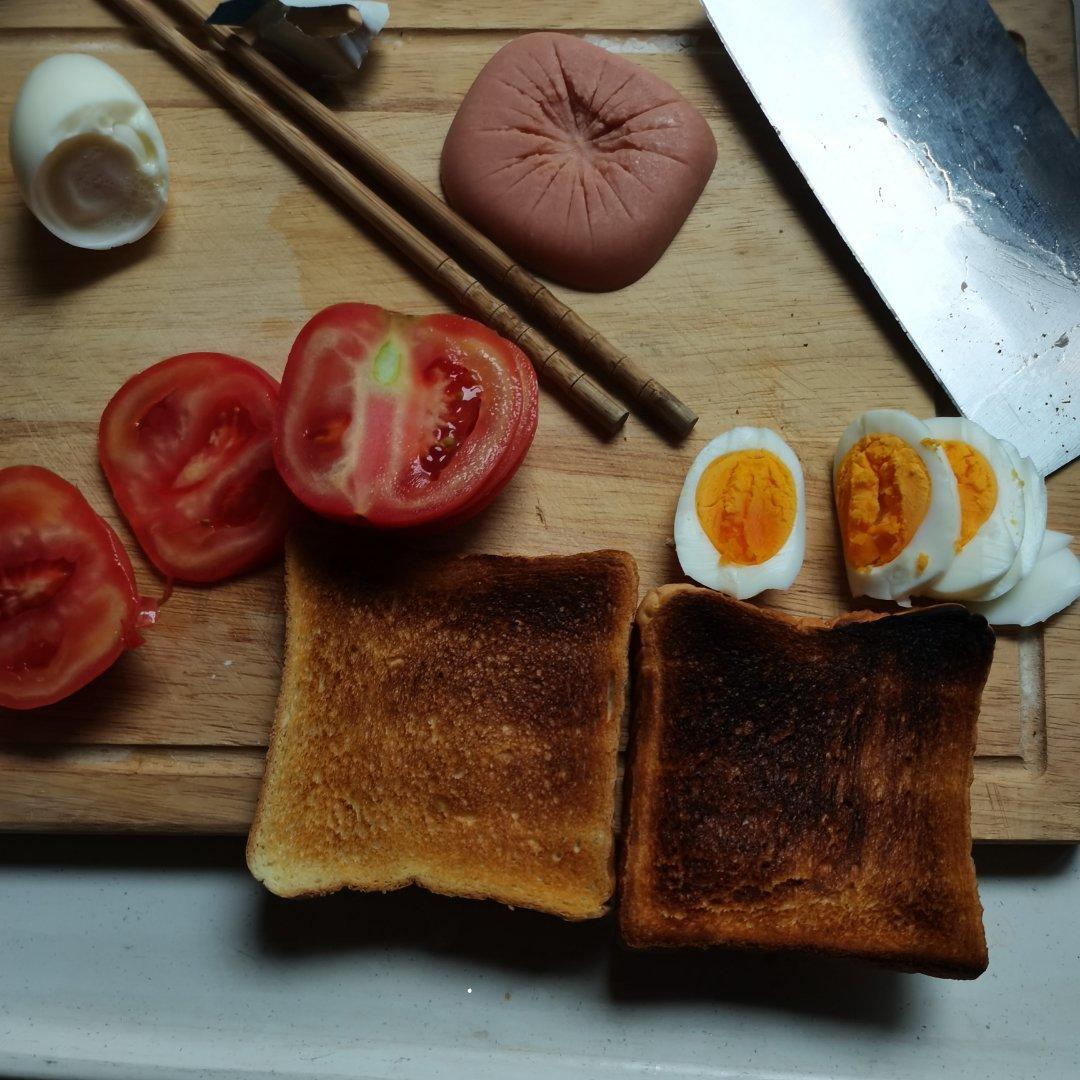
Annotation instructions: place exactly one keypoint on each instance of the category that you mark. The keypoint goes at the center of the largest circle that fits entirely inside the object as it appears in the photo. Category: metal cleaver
(951, 176)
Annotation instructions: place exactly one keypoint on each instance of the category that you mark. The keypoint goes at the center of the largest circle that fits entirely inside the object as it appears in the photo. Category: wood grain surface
(757, 314)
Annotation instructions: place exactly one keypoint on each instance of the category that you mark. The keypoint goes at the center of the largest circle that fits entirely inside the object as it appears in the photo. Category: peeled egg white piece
(88, 157)
(1034, 487)
(935, 538)
(1052, 585)
(991, 551)
(697, 556)
(1035, 510)
(1054, 541)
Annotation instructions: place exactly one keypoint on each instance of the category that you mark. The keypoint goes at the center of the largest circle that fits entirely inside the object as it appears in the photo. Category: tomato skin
(68, 602)
(186, 448)
(369, 400)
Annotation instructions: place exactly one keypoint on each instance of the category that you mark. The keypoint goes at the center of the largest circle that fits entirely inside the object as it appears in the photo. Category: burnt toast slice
(451, 722)
(804, 784)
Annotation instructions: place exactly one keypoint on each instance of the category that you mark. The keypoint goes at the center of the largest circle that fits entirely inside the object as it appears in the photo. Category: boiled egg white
(992, 514)
(1051, 586)
(1053, 541)
(1035, 508)
(740, 525)
(87, 155)
(896, 504)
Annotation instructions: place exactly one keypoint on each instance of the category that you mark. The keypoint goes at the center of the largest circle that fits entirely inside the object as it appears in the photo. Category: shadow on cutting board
(51, 267)
(99, 852)
(1023, 860)
(201, 852)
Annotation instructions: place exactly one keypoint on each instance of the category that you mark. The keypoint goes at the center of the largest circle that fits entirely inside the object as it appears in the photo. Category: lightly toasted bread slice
(804, 784)
(451, 722)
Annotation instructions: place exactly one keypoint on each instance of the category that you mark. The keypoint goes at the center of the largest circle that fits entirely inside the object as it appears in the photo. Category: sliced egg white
(1052, 585)
(749, 491)
(1053, 541)
(1035, 510)
(990, 552)
(1034, 489)
(929, 550)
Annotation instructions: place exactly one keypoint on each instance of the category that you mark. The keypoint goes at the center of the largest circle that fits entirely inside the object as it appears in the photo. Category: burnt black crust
(805, 782)
(769, 730)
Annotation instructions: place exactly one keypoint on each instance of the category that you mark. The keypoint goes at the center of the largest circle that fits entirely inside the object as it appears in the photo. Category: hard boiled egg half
(740, 525)
(992, 513)
(1034, 494)
(896, 504)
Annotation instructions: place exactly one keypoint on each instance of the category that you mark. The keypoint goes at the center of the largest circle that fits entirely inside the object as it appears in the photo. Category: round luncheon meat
(579, 163)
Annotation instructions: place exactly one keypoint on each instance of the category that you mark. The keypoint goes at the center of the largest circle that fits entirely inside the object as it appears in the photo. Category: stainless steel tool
(954, 180)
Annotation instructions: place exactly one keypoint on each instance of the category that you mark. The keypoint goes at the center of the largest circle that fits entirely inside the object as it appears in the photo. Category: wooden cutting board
(756, 315)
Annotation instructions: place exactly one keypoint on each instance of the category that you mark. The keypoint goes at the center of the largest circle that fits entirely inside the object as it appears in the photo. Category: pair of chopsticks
(551, 363)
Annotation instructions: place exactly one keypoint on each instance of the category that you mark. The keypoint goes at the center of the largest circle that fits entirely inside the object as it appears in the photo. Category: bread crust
(801, 783)
(451, 722)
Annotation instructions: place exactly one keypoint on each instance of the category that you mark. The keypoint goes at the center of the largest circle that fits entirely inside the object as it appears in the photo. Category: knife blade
(954, 180)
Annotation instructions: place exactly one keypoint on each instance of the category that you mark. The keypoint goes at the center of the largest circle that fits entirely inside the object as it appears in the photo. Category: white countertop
(144, 959)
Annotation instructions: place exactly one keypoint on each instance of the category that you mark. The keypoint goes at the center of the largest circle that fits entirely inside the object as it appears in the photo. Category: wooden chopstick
(552, 365)
(652, 398)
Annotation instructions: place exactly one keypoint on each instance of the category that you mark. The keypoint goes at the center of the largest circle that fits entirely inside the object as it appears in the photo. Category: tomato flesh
(401, 421)
(29, 585)
(68, 603)
(186, 447)
(462, 392)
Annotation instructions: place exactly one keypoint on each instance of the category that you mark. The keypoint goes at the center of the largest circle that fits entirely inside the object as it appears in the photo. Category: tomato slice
(402, 421)
(68, 603)
(516, 451)
(186, 446)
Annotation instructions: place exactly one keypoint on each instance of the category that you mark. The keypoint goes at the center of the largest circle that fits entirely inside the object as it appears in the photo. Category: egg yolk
(977, 485)
(746, 504)
(882, 495)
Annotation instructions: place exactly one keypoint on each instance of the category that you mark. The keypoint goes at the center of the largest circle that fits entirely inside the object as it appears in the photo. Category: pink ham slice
(577, 162)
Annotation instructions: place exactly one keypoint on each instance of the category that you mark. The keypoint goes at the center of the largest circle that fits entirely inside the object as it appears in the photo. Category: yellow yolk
(882, 495)
(977, 485)
(746, 504)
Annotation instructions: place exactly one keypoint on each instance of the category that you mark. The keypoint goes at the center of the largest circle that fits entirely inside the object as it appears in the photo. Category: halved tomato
(402, 421)
(186, 447)
(68, 603)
